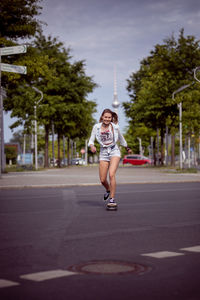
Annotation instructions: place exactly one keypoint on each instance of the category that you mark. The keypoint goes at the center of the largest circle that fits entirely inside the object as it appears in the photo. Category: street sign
(8, 68)
(14, 68)
(13, 50)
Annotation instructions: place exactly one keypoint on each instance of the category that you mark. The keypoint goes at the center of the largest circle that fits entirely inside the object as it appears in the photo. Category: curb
(37, 186)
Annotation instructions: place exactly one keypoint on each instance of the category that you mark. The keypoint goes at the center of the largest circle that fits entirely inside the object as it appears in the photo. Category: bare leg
(103, 171)
(114, 163)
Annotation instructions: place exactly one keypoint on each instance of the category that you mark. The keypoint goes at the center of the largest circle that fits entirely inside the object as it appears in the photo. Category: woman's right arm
(92, 139)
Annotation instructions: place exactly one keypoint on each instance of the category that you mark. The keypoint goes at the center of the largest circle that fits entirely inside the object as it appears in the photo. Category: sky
(114, 34)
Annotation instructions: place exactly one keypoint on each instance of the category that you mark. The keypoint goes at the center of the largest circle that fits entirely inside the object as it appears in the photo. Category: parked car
(64, 162)
(136, 159)
(81, 161)
(78, 161)
(75, 161)
(55, 162)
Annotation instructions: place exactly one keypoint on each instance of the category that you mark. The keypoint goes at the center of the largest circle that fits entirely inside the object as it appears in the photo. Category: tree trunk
(172, 150)
(154, 151)
(158, 152)
(167, 147)
(46, 155)
(68, 147)
(162, 146)
(59, 162)
(53, 152)
(64, 150)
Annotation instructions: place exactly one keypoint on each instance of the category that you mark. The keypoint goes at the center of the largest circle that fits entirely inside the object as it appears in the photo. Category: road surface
(61, 243)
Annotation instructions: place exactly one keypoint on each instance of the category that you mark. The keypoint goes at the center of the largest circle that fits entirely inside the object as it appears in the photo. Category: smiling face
(107, 118)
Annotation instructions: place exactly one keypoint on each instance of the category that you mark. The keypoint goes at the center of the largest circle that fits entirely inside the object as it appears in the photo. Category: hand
(129, 150)
(93, 149)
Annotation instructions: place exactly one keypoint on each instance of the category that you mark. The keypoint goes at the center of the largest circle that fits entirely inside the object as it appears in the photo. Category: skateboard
(111, 206)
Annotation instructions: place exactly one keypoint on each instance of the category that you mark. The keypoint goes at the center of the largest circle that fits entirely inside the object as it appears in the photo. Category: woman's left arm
(121, 139)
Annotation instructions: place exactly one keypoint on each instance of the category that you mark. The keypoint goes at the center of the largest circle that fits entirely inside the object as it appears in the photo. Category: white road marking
(163, 254)
(192, 249)
(7, 283)
(47, 275)
(41, 276)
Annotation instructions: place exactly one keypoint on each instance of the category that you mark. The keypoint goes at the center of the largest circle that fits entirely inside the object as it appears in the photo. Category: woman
(107, 134)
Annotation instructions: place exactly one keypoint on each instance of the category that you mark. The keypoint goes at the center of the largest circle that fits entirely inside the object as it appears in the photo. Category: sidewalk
(81, 175)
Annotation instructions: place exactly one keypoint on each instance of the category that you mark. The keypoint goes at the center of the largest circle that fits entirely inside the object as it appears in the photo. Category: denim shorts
(107, 152)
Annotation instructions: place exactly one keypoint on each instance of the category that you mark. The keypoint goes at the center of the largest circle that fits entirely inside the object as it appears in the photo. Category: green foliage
(65, 93)
(168, 67)
(21, 135)
(65, 85)
(65, 88)
(11, 152)
(18, 18)
(135, 132)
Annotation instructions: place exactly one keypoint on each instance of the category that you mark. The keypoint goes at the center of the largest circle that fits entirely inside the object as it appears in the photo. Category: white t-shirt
(106, 136)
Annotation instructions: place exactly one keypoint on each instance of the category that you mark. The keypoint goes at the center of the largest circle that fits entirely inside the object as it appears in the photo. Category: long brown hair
(114, 117)
(113, 114)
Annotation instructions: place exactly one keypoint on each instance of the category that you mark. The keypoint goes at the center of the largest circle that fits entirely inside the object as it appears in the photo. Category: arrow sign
(14, 68)
(13, 50)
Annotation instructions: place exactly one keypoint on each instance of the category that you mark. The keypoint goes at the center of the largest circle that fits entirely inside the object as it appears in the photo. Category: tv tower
(115, 103)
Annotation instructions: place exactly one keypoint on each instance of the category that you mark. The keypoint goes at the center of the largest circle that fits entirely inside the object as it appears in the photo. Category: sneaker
(112, 203)
(106, 195)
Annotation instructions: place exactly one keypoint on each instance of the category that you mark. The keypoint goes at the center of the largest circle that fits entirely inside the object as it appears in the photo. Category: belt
(109, 147)
(112, 147)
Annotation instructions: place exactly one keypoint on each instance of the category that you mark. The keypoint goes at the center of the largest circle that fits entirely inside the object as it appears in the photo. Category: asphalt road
(62, 243)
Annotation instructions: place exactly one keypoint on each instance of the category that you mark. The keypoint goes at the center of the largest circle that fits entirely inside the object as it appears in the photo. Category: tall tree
(65, 88)
(18, 18)
(65, 101)
(168, 67)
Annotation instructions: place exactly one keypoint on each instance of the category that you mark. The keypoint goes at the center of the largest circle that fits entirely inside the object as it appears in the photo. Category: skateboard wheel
(111, 208)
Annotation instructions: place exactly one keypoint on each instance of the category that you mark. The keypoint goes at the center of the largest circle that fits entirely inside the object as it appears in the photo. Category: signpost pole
(8, 68)
(35, 114)
(36, 156)
(1, 109)
(180, 121)
(86, 152)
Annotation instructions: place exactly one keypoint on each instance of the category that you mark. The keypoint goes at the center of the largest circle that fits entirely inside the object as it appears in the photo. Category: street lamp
(35, 116)
(180, 121)
(195, 71)
(140, 145)
(195, 77)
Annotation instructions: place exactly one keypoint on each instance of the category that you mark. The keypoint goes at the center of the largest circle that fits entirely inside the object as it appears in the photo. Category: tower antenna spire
(115, 103)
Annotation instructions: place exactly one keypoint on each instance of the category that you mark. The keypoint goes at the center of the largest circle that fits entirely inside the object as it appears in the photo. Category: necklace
(105, 126)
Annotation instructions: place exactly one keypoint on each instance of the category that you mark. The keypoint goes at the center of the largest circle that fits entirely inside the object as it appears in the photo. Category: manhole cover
(109, 267)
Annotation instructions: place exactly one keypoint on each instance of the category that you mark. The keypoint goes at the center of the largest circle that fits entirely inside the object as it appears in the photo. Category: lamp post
(195, 71)
(180, 121)
(35, 116)
(195, 77)
(140, 145)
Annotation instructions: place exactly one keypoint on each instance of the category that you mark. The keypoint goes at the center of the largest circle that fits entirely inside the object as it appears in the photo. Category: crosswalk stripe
(7, 283)
(162, 254)
(47, 275)
(192, 249)
(41, 276)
